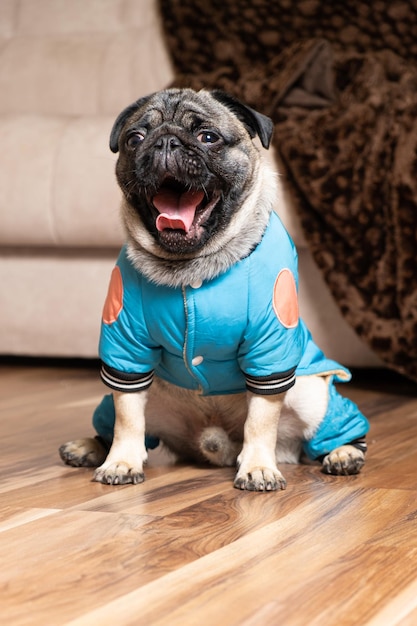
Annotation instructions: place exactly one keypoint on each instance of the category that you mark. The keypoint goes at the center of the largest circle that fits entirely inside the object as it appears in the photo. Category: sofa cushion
(63, 80)
(59, 188)
(79, 58)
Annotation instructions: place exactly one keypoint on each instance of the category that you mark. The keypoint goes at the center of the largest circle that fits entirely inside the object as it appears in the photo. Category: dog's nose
(168, 143)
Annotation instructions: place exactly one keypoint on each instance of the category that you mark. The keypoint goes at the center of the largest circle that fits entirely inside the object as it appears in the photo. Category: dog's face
(187, 164)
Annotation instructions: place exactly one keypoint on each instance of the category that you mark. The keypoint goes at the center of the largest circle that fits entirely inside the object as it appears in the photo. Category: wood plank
(233, 583)
(185, 547)
(400, 611)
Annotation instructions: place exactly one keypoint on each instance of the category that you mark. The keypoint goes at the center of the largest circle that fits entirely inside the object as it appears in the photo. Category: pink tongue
(176, 211)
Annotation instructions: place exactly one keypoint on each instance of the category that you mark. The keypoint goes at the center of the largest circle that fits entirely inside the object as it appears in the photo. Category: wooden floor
(186, 548)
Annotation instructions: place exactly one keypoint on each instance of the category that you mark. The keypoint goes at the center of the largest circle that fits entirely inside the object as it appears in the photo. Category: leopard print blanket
(339, 81)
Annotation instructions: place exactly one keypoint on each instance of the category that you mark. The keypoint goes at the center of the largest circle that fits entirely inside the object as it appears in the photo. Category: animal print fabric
(339, 81)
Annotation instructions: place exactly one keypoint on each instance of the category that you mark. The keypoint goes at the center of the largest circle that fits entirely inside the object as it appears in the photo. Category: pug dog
(201, 341)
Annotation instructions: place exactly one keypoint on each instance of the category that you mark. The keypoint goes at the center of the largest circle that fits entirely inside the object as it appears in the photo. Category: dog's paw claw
(118, 474)
(343, 461)
(260, 480)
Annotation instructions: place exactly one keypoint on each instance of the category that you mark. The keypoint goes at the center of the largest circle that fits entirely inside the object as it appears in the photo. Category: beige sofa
(66, 70)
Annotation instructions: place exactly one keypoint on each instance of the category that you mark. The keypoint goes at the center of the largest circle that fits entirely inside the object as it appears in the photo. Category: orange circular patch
(285, 299)
(114, 300)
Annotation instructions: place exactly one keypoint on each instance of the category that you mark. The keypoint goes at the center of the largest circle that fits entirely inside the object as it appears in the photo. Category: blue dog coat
(237, 331)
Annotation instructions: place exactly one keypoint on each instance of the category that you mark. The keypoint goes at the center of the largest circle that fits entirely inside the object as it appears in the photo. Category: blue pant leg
(342, 424)
(104, 417)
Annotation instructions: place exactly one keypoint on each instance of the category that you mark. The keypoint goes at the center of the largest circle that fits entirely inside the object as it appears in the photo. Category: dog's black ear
(256, 123)
(121, 119)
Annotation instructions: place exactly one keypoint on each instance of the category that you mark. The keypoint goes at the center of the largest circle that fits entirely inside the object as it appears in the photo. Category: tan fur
(216, 429)
(127, 456)
(222, 251)
(344, 461)
(253, 431)
(85, 452)
(257, 432)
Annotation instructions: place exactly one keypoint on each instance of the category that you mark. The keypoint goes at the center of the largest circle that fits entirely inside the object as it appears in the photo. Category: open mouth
(183, 209)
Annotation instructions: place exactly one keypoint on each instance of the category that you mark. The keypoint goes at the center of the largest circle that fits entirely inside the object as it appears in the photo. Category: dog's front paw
(344, 461)
(260, 479)
(119, 473)
(86, 452)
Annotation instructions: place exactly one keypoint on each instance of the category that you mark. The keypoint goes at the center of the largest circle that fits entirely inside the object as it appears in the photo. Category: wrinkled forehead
(185, 108)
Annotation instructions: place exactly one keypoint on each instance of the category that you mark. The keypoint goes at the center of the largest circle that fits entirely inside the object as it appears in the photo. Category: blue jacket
(235, 332)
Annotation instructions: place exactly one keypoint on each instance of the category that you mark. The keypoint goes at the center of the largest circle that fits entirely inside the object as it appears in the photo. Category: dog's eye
(134, 140)
(208, 136)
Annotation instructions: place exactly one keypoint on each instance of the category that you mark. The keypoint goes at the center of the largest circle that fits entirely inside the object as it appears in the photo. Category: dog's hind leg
(345, 460)
(87, 452)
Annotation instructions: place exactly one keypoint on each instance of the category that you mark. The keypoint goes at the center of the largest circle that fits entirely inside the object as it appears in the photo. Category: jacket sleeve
(269, 354)
(273, 342)
(128, 354)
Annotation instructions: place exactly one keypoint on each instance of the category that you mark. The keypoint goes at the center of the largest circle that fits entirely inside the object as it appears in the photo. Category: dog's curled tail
(217, 447)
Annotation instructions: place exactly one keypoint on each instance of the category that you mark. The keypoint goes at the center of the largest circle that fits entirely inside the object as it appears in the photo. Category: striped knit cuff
(123, 381)
(270, 385)
(360, 444)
